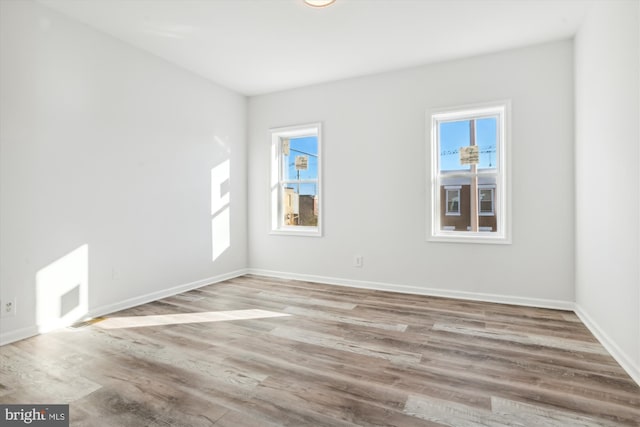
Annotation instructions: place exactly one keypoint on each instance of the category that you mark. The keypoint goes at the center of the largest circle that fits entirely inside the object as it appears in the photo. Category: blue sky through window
(456, 134)
(308, 147)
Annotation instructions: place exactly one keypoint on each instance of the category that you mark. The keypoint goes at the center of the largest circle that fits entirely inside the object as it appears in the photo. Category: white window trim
(502, 202)
(275, 189)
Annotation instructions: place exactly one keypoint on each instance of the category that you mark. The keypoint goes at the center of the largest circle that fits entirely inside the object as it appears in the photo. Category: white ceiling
(261, 46)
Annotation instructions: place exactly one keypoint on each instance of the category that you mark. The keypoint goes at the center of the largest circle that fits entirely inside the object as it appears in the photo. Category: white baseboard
(20, 334)
(620, 356)
(407, 289)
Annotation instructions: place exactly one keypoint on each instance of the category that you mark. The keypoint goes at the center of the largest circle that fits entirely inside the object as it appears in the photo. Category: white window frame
(276, 180)
(502, 191)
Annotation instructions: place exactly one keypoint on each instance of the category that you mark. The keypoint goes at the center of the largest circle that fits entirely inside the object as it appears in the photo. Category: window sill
(297, 231)
(480, 237)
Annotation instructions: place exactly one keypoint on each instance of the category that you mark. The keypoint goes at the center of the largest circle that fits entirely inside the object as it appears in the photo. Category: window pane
(460, 199)
(300, 157)
(486, 131)
(458, 188)
(453, 135)
(300, 205)
(290, 206)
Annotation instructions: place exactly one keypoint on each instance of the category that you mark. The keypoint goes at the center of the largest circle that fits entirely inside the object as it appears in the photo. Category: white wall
(375, 168)
(106, 172)
(607, 51)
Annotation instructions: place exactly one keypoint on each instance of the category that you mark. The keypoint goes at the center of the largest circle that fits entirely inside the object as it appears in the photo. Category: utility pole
(474, 181)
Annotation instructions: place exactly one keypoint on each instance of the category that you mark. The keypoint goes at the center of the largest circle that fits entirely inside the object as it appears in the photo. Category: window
(485, 201)
(295, 180)
(469, 178)
(453, 200)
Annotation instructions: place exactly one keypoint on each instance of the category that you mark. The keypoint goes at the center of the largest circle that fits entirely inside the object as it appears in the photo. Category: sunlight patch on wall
(220, 191)
(62, 290)
(181, 318)
(220, 199)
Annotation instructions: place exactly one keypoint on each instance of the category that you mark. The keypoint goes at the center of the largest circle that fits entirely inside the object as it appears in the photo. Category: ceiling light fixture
(319, 3)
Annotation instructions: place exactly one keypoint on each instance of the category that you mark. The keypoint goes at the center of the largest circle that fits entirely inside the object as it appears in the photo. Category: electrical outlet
(8, 308)
(357, 261)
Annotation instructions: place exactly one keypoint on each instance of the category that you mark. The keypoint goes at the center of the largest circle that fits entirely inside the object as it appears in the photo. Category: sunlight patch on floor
(180, 318)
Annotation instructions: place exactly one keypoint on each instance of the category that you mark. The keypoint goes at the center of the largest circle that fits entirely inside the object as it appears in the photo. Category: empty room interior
(365, 212)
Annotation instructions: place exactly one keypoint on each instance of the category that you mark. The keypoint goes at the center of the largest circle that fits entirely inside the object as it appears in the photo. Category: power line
(303, 152)
(457, 151)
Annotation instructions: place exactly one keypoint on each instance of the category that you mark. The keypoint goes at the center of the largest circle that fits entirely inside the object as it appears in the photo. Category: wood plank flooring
(254, 351)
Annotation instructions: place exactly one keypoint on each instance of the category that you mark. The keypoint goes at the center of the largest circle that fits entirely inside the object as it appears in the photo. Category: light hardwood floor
(255, 351)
